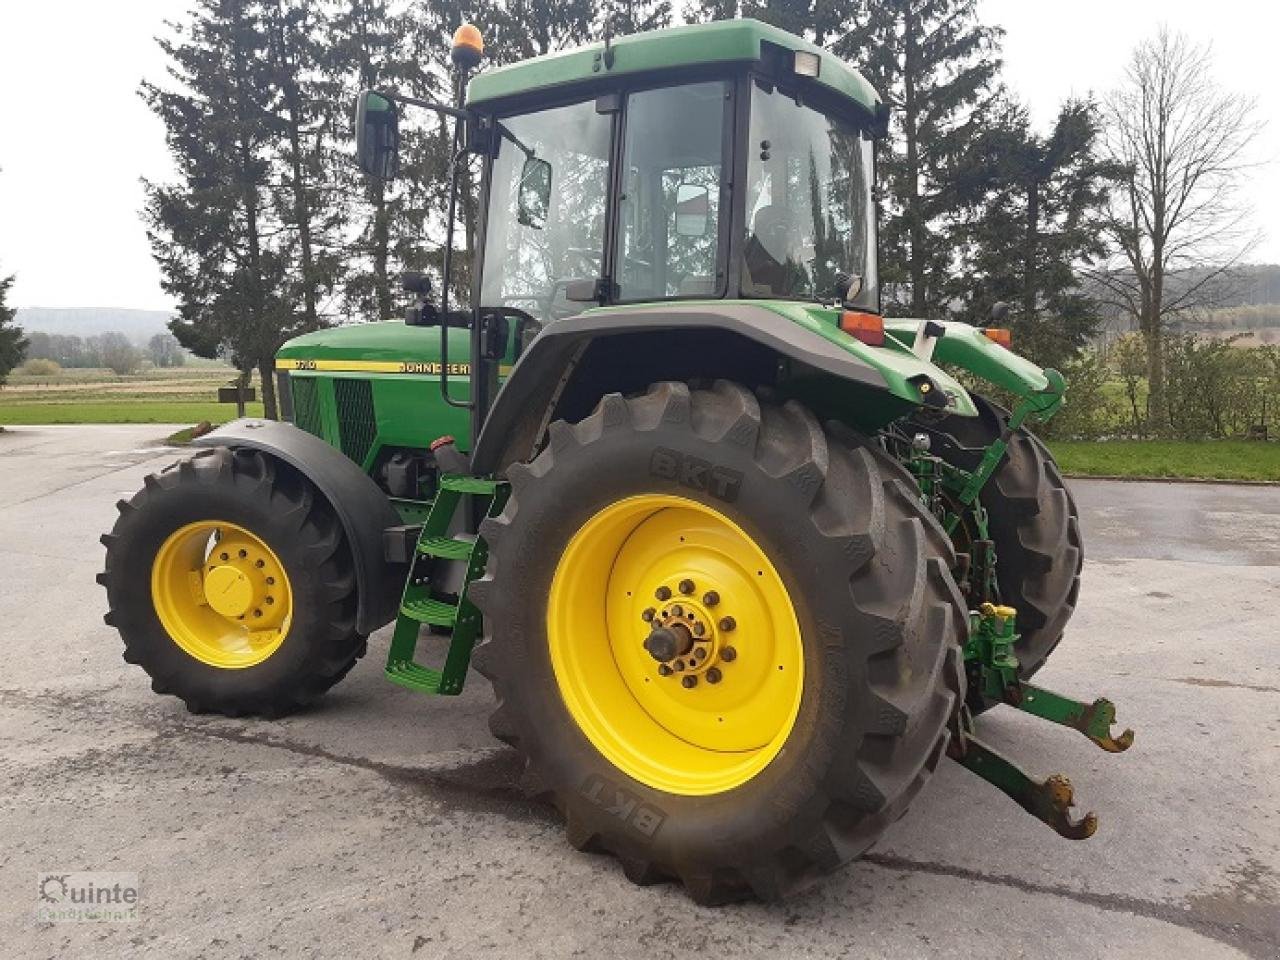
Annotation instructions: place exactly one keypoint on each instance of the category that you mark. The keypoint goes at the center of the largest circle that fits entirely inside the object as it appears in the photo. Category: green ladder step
(415, 677)
(435, 612)
(469, 485)
(446, 548)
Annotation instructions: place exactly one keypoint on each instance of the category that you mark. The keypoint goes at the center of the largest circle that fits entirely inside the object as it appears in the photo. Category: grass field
(177, 395)
(1208, 460)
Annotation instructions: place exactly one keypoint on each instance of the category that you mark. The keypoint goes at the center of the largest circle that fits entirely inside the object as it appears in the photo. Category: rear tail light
(999, 335)
(867, 327)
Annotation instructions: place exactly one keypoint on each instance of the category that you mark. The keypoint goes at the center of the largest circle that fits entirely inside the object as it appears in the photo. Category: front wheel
(725, 640)
(231, 583)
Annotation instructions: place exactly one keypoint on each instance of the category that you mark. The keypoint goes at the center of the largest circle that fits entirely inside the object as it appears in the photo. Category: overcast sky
(75, 138)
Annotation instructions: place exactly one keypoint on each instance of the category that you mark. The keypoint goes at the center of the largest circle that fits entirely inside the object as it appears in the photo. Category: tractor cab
(721, 161)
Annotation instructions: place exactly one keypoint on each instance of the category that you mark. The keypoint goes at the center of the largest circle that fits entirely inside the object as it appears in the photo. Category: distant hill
(137, 325)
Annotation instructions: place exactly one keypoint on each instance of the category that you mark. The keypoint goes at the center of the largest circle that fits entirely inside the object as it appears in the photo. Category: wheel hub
(686, 639)
(229, 591)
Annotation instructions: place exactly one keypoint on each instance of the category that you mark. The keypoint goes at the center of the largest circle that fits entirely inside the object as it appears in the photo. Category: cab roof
(670, 50)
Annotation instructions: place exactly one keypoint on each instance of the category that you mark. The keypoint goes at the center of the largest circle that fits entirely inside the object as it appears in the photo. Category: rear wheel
(725, 641)
(230, 581)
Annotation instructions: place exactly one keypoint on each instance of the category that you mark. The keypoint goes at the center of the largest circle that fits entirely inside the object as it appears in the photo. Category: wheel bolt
(260, 564)
(271, 599)
(663, 593)
(713, 675)
(648, 614)
(711, 598)
(699, 629)
(700, 654)
(689, 682)
(225, 556)
(257, 613)
(271, 581)
(728, 654)
(677, 610)
(243, 554)
(687, 587)
(679, 665)
(727, 623)
(664, 670)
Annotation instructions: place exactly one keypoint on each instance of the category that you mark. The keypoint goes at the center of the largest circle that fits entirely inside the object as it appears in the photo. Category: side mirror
(693, 210)
(534, 193)
(377, 135)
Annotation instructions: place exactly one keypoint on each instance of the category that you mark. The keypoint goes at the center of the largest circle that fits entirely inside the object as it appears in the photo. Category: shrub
(39, 367)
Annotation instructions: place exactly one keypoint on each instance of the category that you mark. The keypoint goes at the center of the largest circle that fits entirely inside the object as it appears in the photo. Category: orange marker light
(999, 335)
(468, 45)
(867, 327)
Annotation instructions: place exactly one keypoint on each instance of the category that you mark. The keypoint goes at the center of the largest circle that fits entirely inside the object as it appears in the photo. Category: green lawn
(1210, 460)
(120, 411)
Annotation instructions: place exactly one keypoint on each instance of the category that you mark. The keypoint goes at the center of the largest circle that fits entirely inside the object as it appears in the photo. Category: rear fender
(768, 331)
(362, 508)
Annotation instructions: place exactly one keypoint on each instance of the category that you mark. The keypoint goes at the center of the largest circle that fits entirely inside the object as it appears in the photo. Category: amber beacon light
(468, 46)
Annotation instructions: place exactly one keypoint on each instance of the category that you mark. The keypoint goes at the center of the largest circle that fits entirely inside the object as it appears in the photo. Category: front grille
(357, 425)
(306, 405)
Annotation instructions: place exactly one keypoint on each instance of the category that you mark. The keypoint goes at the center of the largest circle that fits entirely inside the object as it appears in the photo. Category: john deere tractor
(740, 557)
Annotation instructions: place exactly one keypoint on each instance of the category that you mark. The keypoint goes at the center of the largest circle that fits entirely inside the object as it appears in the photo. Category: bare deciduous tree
(1177, 220)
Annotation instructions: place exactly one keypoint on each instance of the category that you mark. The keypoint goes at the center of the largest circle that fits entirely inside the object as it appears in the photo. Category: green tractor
(740, 558)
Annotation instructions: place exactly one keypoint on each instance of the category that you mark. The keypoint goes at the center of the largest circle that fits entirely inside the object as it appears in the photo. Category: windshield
(535, 246)
(809, 210)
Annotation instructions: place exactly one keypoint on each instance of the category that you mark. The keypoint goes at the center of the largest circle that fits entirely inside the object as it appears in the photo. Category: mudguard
(363, 509)
(790, 331)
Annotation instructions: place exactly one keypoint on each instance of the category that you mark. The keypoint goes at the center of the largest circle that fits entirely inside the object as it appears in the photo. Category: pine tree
(369, 43)
(1039, 205)
(212, 232)
(13, 345)
(935, 66)
(304, 120)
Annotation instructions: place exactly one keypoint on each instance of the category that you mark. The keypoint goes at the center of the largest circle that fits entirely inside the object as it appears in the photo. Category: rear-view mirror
(377, 135)
(534, 193)
(693, 210)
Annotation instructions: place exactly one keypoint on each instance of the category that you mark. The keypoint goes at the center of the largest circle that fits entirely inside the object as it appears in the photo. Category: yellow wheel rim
(714, 713)
(221, 594)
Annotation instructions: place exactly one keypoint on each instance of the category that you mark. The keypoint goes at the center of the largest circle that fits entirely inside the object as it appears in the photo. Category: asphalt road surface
(387, 824)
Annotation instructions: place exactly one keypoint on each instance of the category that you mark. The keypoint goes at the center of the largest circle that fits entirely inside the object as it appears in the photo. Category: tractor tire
(1034, 524)
(786, 543)
(262, 627)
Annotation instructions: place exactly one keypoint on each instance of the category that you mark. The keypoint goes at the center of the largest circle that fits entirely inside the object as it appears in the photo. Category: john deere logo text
(639, 816)
(695, 474)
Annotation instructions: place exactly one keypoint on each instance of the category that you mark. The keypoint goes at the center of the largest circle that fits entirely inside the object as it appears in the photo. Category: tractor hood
(374, 344)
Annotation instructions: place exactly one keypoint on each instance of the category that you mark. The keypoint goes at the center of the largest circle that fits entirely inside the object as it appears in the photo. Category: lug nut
(257, 613)
(271, 600)
(700, 654)
(687, 587)
(664, 670)
(689, 682)
(260, 564)
(243, 554)
(679, 665)
(663, 593)
(677, 610)
(713, 675)
(728, 654)
(711, 598)
(271, 581)
(648, 614)
(727, 624)
(699, 629)
(224, 556)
